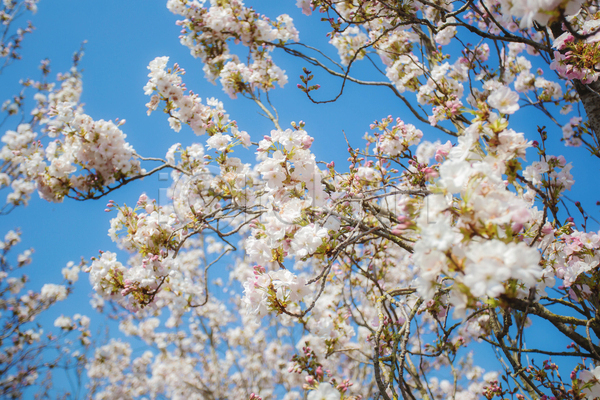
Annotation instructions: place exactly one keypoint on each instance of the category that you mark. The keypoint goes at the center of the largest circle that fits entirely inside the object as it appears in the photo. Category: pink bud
(319, 372)
(307, 142)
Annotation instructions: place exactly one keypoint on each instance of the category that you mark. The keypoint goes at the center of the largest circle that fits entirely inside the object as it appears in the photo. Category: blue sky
(122, 38)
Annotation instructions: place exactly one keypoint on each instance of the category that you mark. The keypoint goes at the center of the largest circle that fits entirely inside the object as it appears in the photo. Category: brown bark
(590, 97)
(565, 324)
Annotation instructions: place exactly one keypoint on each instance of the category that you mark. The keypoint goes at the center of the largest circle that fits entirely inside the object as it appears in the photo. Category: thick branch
(561, 322)
(590, 98)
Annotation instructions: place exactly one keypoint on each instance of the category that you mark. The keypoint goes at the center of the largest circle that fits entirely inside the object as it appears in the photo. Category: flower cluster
(87, 156)
(23, 158)
(553, 172)
(393, 140)
(350, 44)
(294, 190)
(273, 291)
(578, 59)
(161, 264)
(573, 254)
(208, 31)
(182, 107)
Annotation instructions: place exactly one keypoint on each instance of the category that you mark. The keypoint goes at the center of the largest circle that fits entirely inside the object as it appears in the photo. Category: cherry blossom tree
(379, 279)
